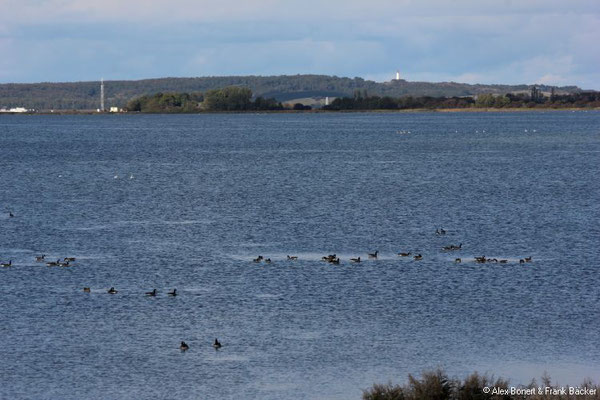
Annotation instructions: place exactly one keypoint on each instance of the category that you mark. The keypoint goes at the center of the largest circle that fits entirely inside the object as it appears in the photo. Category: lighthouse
(397, 75)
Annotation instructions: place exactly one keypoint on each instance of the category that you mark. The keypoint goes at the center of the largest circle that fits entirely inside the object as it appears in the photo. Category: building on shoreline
(15, 110)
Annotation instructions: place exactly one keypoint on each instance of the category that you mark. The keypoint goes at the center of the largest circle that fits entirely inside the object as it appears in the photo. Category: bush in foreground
(436, 385)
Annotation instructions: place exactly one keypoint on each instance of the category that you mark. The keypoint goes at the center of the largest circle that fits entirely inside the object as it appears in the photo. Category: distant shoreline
(317, 111)
(284, 88)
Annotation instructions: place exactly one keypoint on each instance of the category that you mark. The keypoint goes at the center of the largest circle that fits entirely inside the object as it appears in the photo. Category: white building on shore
(15, 110)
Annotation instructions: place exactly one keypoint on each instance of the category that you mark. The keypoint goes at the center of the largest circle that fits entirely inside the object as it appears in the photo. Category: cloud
(35, 11)
(498, 42)
(288, 56)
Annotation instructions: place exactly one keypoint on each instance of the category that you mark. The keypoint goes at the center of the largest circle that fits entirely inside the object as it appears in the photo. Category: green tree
(501, 101)
(232, 98)
(485, 100)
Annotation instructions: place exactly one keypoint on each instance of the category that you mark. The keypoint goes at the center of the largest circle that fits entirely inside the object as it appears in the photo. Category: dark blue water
(187, 202)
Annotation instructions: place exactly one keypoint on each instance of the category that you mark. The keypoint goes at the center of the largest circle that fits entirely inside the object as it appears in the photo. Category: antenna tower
(102, 94)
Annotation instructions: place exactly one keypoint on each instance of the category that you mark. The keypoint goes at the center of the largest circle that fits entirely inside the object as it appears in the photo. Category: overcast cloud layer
(473, 41)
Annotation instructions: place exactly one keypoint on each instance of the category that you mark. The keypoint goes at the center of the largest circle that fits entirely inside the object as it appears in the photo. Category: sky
(552, 42)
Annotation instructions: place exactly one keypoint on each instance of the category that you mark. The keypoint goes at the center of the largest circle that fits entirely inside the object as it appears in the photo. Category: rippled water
(161, 202)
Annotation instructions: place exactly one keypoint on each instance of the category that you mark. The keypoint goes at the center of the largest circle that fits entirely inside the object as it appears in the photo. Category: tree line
(235, 98)
(166, 103)
(231, 98)
(361, 101)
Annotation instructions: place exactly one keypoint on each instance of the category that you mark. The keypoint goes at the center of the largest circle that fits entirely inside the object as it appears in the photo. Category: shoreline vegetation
(238, 99)
(437, 385)
(235, 99)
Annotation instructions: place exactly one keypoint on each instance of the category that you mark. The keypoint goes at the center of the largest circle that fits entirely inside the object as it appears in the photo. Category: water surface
(188, 201)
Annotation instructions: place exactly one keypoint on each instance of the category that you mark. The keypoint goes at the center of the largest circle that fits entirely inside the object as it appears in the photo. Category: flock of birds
(330, 258)
(68, 261)
(60, 262)
(334, 259)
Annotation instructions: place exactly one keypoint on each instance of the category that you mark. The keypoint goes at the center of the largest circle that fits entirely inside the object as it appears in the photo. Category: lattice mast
(102, 94)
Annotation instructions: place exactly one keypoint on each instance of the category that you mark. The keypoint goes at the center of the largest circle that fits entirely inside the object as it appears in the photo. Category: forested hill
(86, 95)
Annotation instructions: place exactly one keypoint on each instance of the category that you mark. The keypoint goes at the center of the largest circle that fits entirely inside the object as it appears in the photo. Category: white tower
(102, 95)
(327, 100)
(397, 75)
